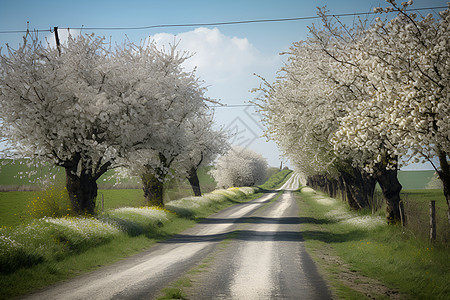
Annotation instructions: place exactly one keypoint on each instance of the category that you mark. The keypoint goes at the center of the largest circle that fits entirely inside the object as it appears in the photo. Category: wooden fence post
(402, 215)
(432, 220)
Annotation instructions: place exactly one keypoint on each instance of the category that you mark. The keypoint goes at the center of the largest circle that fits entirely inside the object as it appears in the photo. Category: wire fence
(418, 221)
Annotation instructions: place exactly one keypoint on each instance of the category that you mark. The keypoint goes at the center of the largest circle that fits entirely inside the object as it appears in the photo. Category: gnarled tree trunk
(82, 191)
(153, 188)
(193, 180)
(369, 184)
(390, 187)
(359, 187)
(153, 181)
(81, 184)
(444, 175)
(356, 186)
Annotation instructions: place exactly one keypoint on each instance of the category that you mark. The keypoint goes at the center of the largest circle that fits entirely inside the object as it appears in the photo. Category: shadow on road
(265, 220)
(327, 237)
(277, 236)
(243, 235)
(252, 235)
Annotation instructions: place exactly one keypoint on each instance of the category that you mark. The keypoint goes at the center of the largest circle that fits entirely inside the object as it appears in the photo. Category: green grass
(14, 211)
(276, 180)
(18, 174)
(115, 198)
(425, 196)
(26, 280)
(417, 203)
(13, 207)
(397, 261)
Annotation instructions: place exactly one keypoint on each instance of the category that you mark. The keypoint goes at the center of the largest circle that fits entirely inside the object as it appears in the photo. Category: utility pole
(58, 45)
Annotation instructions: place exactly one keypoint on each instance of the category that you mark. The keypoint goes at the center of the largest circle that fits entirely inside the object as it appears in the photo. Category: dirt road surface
(263, 258)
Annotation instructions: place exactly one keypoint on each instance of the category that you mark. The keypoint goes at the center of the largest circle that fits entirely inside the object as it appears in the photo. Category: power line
(232, 105)
(219, 23)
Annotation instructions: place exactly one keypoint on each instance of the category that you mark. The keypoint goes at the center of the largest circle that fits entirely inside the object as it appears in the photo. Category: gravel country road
(265, 259)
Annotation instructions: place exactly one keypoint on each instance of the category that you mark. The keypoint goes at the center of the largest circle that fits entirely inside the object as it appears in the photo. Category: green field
(14, 204)
(415, 180)
(23, 175)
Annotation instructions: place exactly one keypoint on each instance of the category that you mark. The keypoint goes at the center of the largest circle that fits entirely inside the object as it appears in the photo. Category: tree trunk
(390, 187)
(350, 196)
(341, 188)
(359, 187)
(195, 183)
(82, 191)
(369, 184)
(153, 181)
(444, 175)
(153, 188)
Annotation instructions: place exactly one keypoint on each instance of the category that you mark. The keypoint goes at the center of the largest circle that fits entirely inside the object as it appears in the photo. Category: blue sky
(226, 56)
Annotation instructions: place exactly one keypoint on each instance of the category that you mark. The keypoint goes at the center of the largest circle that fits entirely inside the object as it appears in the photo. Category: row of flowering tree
(353, 104)
(89, 107)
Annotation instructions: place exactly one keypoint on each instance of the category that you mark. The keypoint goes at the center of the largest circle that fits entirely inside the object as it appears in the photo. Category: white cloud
(220, 59)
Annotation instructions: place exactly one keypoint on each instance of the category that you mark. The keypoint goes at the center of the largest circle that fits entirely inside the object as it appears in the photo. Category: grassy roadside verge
(63, 250)
(362, 257)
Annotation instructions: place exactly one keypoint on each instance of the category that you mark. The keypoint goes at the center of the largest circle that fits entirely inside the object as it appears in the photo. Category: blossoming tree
(177, 105)
(386, 86)
(301, 111)
(53, 108)
(239, 167)
(406, 62)
(341, 44)
(204, 147)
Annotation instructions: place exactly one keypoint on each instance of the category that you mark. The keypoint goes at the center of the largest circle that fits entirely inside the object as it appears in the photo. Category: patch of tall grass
(136, 221)
(50, 239)
(52, 202)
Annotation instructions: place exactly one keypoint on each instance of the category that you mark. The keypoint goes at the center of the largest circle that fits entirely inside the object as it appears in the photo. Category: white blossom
(239, 167)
